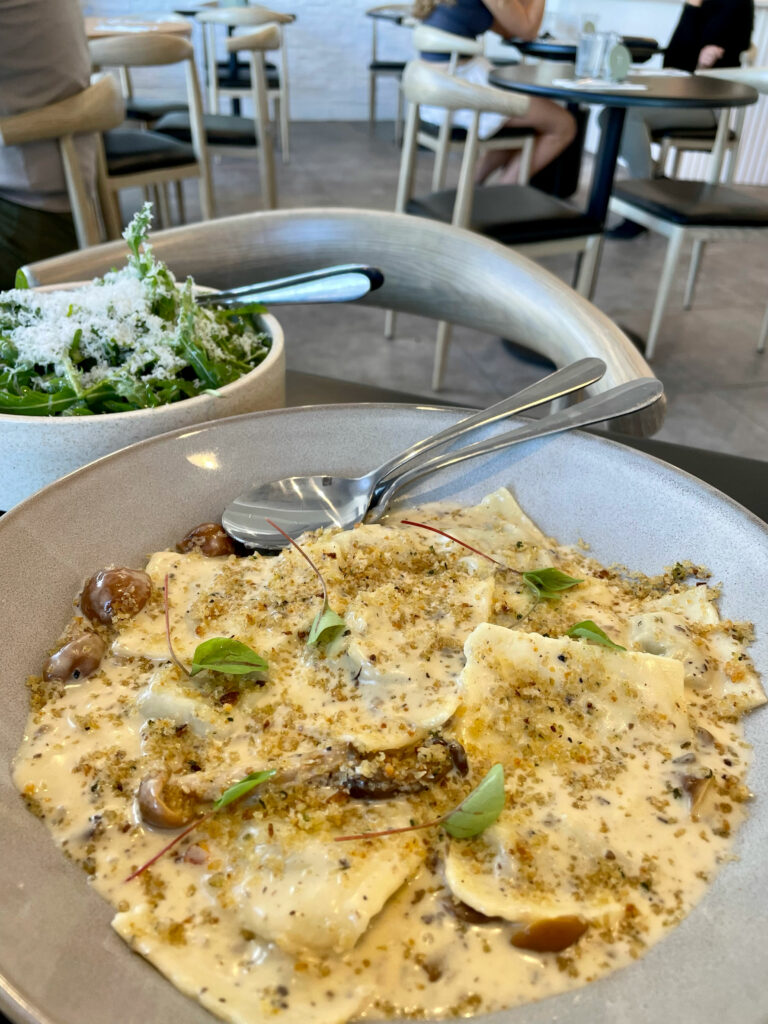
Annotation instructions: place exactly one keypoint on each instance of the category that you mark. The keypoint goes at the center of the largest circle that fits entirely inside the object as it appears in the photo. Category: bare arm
(519, 18)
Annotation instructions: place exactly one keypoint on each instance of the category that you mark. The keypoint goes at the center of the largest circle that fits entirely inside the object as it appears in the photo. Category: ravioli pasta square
(276, 834)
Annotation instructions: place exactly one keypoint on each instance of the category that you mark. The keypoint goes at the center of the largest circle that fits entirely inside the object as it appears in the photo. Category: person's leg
(555, 130)
(28, 234)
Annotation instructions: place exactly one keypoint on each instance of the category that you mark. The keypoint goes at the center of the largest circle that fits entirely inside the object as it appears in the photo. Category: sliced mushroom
(154, 810)
(210, 539)
(76, 660)
(697, 789)
(550, 935)
(115, 593)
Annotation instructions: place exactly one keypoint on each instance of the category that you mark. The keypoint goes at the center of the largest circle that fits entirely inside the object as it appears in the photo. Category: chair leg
(284, 129)
(390, 324)
(110, 210)
(165, 212)
(589, 261)
(693, 272)
(399, 116)
(674, 247)
(676, 163)
(763, 333)
(179, 193)
(442, 343)
(371, 100)
(526, 156)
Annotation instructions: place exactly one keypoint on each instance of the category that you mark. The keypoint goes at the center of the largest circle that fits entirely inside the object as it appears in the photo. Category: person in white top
(43, 58)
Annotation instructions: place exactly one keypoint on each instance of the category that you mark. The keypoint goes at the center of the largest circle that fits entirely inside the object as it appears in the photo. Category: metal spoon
(302, 503)
(343, 283)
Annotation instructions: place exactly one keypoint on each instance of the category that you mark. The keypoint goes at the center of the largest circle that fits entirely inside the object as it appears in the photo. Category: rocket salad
(132, 339)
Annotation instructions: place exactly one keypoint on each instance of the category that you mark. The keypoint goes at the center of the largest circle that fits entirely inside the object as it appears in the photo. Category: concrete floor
(716, 383)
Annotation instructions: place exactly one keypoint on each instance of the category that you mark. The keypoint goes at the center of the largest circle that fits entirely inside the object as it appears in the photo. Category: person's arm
(519, 18)
(727, 27)
(685, 45)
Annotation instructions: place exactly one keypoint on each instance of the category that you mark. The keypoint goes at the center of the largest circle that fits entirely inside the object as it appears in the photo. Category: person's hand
(709, 56)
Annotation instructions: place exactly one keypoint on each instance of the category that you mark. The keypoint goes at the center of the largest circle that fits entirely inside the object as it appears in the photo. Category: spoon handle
(618, 401)
(562, 382)
(343, 283)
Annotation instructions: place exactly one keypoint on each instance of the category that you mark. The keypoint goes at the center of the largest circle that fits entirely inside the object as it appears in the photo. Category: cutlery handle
(618, 401)
(562, 382)
(343, 283)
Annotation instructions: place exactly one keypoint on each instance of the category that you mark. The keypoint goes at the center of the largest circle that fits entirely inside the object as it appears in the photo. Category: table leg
(605, 164)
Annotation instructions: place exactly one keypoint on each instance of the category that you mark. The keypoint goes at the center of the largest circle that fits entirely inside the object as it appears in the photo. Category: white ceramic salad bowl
(36, 450)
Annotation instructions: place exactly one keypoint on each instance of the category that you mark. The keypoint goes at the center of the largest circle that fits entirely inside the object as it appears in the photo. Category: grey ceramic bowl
(59, 958)
(35, 450)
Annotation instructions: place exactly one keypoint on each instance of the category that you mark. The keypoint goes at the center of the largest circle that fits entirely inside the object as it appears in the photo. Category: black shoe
(626, 229)
(527, 355)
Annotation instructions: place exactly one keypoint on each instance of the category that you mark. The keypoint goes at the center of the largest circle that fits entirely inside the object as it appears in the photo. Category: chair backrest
(154, 49)
(96, 109)
(256, 44)
(424, 83)
(243, 17)
(427, 39)
(430, 269)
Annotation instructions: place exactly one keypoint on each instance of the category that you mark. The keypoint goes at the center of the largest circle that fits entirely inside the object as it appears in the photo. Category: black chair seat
(641, 48)
(241, 79)
(459, 134)
(150, 110)
(692, 203)
(220, 129)
(511, 214)
(690, 134)
(134, 152)
(395, 66)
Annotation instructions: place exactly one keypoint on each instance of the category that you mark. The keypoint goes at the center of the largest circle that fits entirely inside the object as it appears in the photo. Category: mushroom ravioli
(284, 805)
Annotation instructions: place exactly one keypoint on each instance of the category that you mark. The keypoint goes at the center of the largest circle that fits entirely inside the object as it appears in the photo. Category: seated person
(710, 34)
(43, 58)
(555, 128)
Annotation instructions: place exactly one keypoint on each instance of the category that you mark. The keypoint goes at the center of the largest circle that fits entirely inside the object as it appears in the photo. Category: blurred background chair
(430, 269)
(515, 215)
(393, 14)
(231, 78)
(695, 211)
(233, 134)
(149, 159)
(96, 109)
(678, 141)
(440, 139)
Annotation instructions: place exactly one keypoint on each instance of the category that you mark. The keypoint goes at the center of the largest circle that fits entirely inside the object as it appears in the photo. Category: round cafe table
(556, 81)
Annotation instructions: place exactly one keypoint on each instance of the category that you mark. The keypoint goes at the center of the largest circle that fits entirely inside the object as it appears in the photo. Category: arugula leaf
(480, 809)
(589, 630)
(221, 654)
(241, 788)
(548, 583)
(136, 235)
(21, 281)
(326, 627)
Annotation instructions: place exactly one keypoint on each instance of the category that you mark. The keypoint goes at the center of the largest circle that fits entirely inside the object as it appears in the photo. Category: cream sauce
(624, 772)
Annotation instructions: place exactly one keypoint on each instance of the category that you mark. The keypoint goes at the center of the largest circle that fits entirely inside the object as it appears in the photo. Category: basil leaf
(326, 627)
(21, 281)
(480, 809)
(242, 787)
(547, 583)
(589, 630)
(220, 654)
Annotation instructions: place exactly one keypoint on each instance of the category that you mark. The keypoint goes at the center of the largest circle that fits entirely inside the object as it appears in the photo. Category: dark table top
(691, 91)
(744, 480)
(395, 13)
(551, 48)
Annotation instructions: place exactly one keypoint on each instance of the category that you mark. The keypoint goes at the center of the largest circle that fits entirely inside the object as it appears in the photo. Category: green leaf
(21, 281)
(480, 809)
(548, 583)
(221, 654)
(241, 788)
(136, 234)
(589, 630)
(326, 627)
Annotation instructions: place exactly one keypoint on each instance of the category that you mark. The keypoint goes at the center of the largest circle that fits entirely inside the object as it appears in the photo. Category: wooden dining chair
(696, 211)
(430, 269)
(240, 135)
(97, 108)
(378, 67)
(148, 159)
(441, 139)
(516, 215)
(231, 79)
